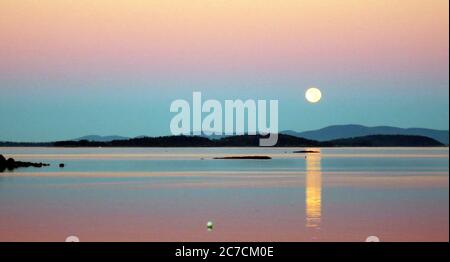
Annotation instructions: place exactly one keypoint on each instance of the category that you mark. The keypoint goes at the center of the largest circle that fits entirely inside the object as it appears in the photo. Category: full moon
(313, 95)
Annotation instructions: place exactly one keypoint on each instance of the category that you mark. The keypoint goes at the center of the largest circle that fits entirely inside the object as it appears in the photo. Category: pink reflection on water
(305, 205)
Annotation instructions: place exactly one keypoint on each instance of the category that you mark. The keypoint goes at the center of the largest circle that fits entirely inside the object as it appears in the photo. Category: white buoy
(210, 225)
(72, 239)
(372, 239)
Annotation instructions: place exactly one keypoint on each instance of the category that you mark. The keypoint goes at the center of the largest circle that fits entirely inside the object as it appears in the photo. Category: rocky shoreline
(12, 164)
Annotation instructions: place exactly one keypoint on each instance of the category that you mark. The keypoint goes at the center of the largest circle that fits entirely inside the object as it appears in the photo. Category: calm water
(169, 194)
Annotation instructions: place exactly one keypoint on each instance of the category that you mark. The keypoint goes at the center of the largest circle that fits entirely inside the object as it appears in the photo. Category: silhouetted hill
(249, 141)
(163, 141)
(347, 131)
(386, 141)
(191, 141)
(96, 138)
(25, 144)
(253, 141)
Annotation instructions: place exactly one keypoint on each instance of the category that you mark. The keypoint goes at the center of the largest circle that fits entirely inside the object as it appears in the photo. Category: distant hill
(253, 141)
(386, 141)
(96, 138)
(348, 131)
(25, 144)
(193, 141)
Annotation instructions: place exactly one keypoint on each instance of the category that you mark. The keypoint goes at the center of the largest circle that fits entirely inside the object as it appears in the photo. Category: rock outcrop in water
(11, 164)
(244, 157)
(307, 152)
(2, 162)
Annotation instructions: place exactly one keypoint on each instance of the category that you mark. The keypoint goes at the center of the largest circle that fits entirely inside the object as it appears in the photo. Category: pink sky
(186, 37)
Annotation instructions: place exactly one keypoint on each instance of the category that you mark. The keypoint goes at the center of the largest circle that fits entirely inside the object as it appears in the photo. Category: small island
(306, 152)
(244, 157)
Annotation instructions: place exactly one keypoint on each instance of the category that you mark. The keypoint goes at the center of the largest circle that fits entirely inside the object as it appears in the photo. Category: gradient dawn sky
(72, 68)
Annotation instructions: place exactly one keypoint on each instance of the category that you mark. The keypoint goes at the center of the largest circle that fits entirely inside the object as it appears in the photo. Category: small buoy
(61, 165)
(209, 225)
(372, 239)
(72, 239)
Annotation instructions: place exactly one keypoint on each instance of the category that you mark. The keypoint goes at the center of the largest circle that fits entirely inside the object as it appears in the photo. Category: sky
(73, 68)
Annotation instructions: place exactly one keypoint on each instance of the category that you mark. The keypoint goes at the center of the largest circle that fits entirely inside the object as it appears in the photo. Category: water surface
(169, 194)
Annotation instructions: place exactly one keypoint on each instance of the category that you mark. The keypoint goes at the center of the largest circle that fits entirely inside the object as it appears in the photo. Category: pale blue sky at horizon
(45, 112)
